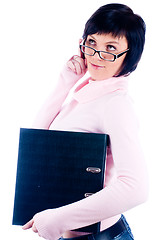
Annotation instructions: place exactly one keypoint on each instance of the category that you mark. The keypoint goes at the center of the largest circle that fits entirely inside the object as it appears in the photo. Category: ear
(81, 41)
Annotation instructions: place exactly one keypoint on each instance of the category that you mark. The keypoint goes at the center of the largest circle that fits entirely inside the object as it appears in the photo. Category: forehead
(105, 38)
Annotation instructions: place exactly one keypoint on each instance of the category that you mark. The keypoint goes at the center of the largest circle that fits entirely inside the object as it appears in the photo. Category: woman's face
(98, 68)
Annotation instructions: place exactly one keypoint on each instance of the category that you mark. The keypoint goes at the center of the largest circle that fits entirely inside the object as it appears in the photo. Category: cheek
(114, 67)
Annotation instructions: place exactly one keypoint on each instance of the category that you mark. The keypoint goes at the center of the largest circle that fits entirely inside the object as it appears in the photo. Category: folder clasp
(88, 194)
(93, 169)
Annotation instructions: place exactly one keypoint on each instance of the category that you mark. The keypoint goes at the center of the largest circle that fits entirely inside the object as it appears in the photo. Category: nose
(97, 55)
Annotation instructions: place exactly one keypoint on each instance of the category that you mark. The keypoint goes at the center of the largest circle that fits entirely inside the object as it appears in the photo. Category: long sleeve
(54, 102)
(128, 190)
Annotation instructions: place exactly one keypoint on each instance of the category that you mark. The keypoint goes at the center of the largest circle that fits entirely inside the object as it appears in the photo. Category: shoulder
(119, 112)
(117, 102)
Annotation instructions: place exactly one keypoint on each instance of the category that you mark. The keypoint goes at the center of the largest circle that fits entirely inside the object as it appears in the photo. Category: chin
(99, 74)
(99, 77)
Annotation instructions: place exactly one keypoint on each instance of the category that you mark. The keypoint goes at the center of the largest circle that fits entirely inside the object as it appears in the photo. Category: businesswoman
(112, 45)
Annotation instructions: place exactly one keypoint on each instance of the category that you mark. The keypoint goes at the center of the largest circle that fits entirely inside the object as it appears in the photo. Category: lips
(96, 67)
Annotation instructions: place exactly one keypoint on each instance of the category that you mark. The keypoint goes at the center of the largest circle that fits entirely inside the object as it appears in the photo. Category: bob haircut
(120, 20)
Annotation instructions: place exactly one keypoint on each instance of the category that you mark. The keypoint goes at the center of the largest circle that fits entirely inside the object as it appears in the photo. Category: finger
(34, 229)
(71, 65)
(77, 65)
(28, 225)
(80, 40)
(81, 63)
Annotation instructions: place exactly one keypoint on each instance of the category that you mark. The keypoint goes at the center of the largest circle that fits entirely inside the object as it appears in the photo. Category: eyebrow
(113, 42)
(110, 42)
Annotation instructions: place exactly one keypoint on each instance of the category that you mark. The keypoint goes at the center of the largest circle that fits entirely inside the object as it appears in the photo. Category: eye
(91, 42)
(111, 48)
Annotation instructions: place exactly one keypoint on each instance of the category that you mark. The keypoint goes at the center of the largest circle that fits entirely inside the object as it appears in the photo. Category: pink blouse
(100, 107)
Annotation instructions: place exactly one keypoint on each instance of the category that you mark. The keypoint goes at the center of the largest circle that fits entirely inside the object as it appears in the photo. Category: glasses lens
(107, 56)
(104, 55)
(87, 50)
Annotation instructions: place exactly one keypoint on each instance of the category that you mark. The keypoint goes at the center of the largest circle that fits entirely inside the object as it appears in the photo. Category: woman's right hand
(77, 63)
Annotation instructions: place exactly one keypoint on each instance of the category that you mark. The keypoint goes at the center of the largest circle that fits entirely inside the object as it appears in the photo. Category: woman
(111, 48)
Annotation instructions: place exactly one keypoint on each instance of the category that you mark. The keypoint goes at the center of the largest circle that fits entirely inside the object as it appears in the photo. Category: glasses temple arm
(120, 54)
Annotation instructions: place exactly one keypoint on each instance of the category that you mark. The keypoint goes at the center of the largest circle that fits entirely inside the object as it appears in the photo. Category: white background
(36, 38)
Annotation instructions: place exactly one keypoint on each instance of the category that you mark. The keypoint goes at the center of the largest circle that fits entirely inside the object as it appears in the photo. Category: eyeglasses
(102, 54)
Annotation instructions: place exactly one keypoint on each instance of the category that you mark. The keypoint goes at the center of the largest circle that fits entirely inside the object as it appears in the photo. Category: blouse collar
(90, 90)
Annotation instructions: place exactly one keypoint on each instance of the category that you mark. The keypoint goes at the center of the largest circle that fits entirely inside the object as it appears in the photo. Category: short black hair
(120, 20)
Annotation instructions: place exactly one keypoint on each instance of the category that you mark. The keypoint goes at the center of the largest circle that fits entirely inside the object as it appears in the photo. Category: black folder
(56, 168)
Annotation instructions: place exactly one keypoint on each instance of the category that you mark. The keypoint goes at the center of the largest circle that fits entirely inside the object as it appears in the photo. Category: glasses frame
(99, 53)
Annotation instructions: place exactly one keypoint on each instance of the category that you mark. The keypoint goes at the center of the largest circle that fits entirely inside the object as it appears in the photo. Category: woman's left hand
(29, 225)
(44, 223)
